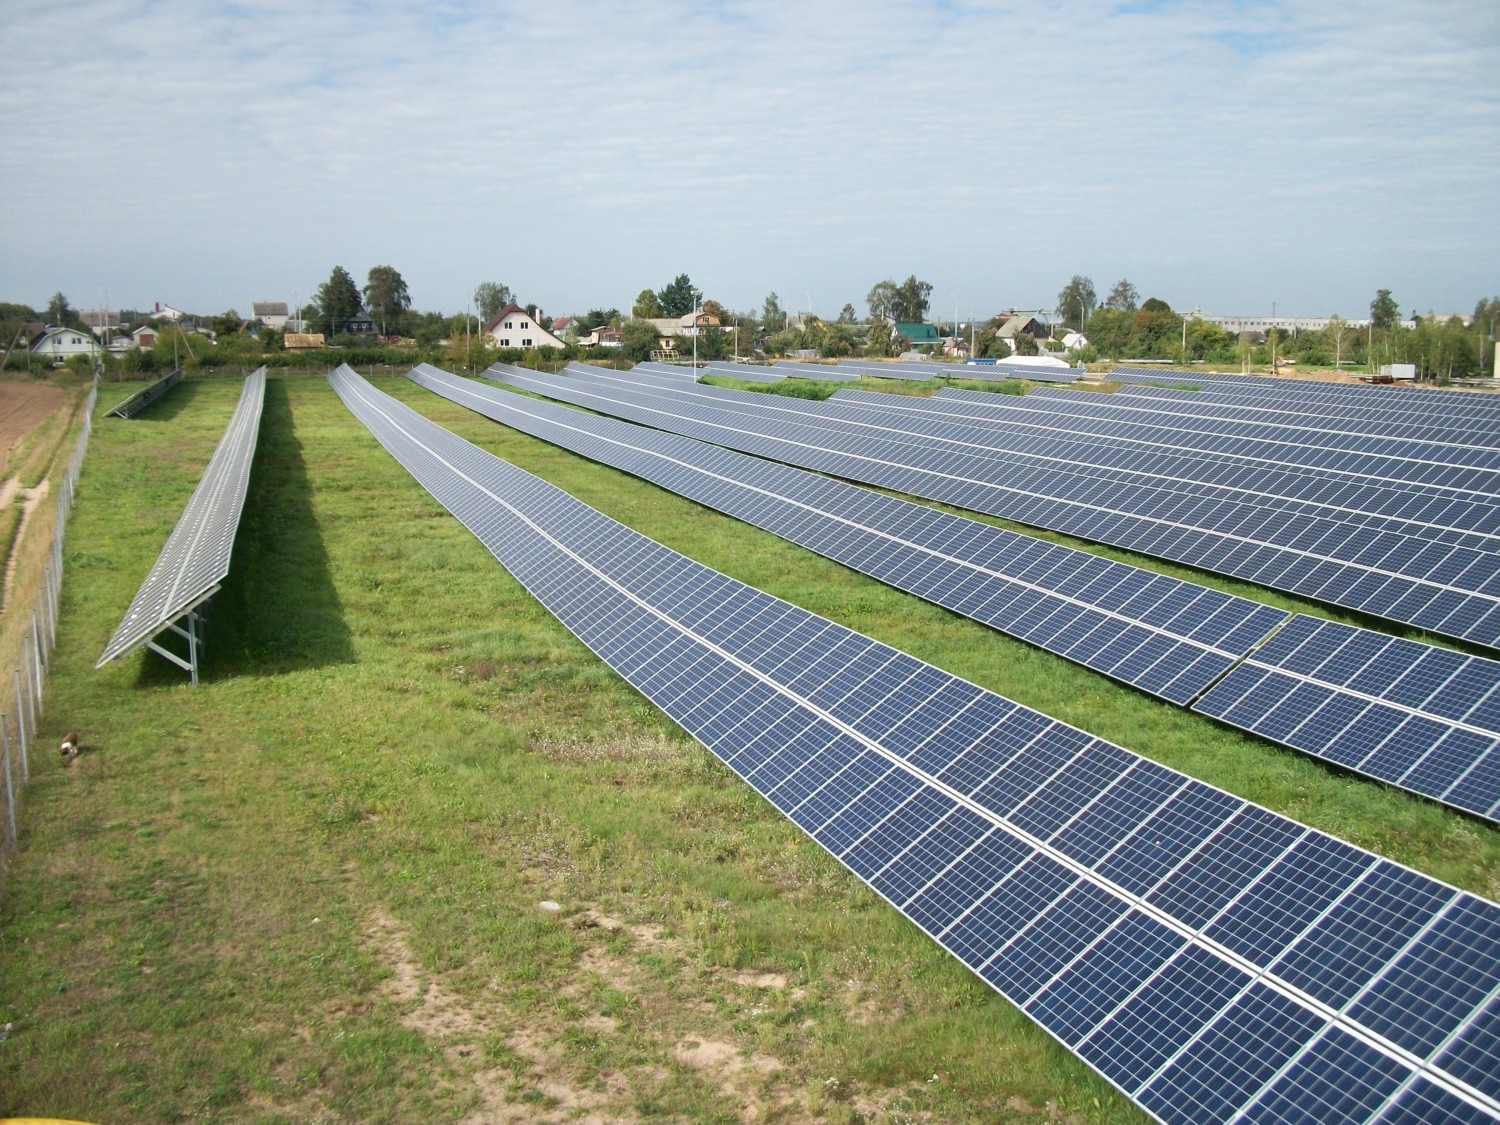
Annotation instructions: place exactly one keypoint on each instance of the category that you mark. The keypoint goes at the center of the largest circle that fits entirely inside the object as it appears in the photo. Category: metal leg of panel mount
(194, 639)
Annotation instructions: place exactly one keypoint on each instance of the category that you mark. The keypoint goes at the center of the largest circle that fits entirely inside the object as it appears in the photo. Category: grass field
(410, 852)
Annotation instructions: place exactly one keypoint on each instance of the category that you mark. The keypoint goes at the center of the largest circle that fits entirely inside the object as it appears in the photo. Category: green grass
(309, 888)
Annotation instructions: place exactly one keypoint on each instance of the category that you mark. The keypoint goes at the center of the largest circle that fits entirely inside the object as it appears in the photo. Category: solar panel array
(144, 397)
(1169, 637)
(1249, 462)
(1211, 959)
(1071, 603)
(1424, 718)
(753, 371)
(195, 558)
(1453, 591)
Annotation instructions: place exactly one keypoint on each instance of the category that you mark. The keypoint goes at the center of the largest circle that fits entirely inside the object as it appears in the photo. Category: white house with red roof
(514, 327)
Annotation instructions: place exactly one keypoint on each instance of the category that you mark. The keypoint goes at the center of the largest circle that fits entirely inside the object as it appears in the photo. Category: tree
(1384, 312)
(58, 310)
(386, 297)
(882, 300)
(773, 317)
(847, 315)
(597, 318)
(638, 339)
(338, 300)
(1123, 297)
(647, 305)
(912, 300)
(1024, 343)
(676, 296)
(490, 297)
(1338, 334)
(1076, 301)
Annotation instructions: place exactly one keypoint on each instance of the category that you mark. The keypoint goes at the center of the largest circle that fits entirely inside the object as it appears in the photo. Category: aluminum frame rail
(195, 558)
(1425, 584)
(1168, 637)
(144, 397)
(1421, 718)
(1213, 960)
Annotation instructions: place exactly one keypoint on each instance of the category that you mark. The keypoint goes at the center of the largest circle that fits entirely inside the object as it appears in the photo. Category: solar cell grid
(1432, 586)
(1235, 466)
(1164, 635)
(1206, 1047)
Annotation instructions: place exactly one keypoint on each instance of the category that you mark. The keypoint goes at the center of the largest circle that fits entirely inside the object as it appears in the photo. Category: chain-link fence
(21, 697)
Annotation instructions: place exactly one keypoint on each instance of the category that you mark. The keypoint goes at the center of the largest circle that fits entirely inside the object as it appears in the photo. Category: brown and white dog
(69, 746)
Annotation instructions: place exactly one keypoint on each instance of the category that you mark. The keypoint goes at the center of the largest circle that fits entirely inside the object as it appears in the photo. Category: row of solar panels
(137, 402)
(1451, 590)
(1423, 718)
(1211, 959)
(195, 557)
(847, 370)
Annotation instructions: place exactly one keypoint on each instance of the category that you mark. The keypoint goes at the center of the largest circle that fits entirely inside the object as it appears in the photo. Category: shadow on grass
(164, 409)
(277, 610)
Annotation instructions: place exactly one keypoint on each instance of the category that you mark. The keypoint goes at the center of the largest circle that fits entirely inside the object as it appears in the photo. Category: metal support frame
(194, 637)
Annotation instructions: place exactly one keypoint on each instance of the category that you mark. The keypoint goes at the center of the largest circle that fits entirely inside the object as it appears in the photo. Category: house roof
(268, 308)
(1016, 324)
(509, 310)
(918, 332)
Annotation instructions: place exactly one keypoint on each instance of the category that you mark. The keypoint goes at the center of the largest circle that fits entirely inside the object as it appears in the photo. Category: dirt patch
(24, 407)
(29, 498)
(460, 1028)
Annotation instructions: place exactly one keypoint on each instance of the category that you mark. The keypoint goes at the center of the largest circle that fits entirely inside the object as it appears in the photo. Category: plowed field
(24, 407)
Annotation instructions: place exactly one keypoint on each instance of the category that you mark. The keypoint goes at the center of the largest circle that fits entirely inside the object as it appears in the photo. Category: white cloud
(1217, 153)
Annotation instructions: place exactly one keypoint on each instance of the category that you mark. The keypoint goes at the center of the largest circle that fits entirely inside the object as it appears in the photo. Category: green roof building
(918, 333)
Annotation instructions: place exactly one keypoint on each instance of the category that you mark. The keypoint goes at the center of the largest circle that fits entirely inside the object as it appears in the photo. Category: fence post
(36, 666)
(10, 795)
(21, 732)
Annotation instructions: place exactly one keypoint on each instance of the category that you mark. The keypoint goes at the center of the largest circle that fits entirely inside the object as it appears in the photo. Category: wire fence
(20, 715)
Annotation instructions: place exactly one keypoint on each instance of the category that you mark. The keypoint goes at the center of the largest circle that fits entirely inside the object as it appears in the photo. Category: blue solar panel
(1166, 636)
(1426, 719)
(1449, 590)
(1192, 1029)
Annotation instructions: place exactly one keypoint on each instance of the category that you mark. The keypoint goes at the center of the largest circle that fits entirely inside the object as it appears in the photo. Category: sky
(1224, 155)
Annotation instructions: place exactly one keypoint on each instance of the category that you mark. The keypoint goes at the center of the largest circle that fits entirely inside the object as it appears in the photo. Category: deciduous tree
(490, 297)
(386, 297)
(1123, 297)
(847, 315)
(882, 300)
(773, 317)
(338, 300)
(912, 299)
(647, 304)
(1384, 312)
(1076, 301)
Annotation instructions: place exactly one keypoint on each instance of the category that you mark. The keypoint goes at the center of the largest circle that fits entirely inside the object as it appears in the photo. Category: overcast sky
(1222, 154)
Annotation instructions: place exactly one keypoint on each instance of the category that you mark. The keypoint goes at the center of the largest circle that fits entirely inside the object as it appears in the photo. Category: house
(167, 312)
(668, 328)
(514, 327)
(1020, 322)
(563, 326)
(602, 337)
(918, 332)
(302, 341)
(270, 314)
(101, 322)
(360, 324)
(144, 336)
(59, 344)
(1074, 341)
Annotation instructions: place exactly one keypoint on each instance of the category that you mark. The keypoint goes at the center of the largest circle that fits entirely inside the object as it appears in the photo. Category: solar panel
(1453, 591)
(1423, 718)
(1211, 959)
(1324, 427)
(144, 397)
(195, 558)
(1235, 465)
(1166, 636)
(1155, 633)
